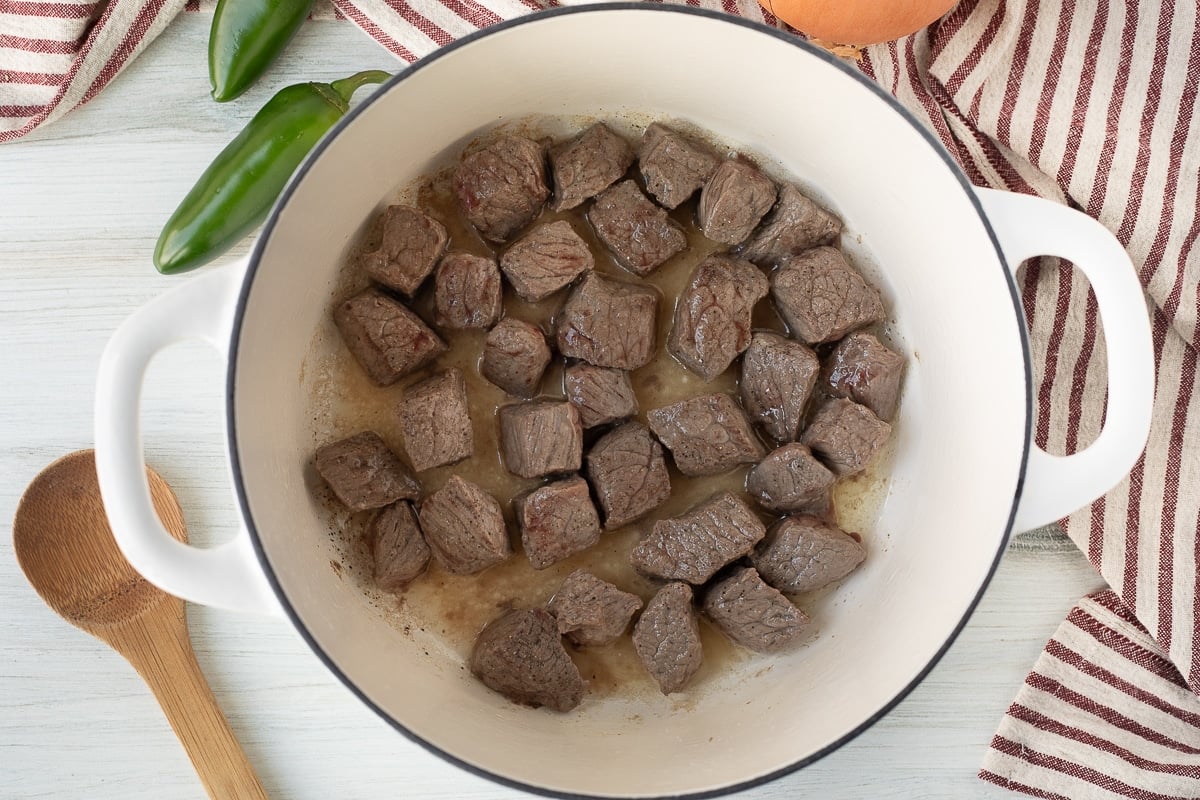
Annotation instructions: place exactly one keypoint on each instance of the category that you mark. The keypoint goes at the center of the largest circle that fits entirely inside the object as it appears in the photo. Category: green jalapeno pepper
(237, 190)
(246, 37)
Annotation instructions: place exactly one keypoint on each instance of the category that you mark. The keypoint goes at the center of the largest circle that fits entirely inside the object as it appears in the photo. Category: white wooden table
(81, 204)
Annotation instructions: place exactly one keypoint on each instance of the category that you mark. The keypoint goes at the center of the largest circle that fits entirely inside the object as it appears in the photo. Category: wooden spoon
(67, 551)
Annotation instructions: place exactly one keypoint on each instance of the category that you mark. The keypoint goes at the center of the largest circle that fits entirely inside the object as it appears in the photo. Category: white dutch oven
(965, 473)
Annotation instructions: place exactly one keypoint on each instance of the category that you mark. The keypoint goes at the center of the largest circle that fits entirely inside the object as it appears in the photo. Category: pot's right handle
(1028, 226)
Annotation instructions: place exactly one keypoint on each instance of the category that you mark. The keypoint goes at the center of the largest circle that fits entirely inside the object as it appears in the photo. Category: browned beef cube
(545, 260)
(411, 243)
(628, 472)
(846, 436)
(602, 395)
(864, 370)
(515, 355)
(521, 656)
(753, 614)
(387, 339)
(822, 297)
(694, 545)
(557, 521)
(667, 638)
(502, 187)
(803, 553)
(790, 479)
(608, 323)
(364, 473)
(793, 226)
(673, 166)
(398, 547)
(436, 422)
(467, 292)
(707, 435)
(592, 612)
(778, 374)
(640, 234)
(541, 438)
(464, 527)
(587, 165)
(733, 201)
(713, 314)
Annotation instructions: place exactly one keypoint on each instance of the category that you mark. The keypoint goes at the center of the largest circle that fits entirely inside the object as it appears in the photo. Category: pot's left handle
(226, 576)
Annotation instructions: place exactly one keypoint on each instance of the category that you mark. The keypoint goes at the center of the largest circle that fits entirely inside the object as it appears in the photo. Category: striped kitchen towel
(1087, 102)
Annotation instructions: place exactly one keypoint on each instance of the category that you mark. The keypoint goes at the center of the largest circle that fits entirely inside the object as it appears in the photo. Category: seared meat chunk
(602, 395)
(436, 422)
(673, 166)
(627, 470)
(667, 637)
(804, 553)
(733, 201)
(793, 226)
(608, 323)
(557, 521)
(467, 292)
(753, 614)
(713, 314)
(640, 234)
(861, 369)
(790, 479)
(398, 547)
(846, 436)
(545, 260)
(694, 545)
(410, 245)
(778, 374)
(502, 187)
(707, 435)
(822, 297)
(364, 473)
(515, 355)
(387, 339)
(592, 612)
(588, 164)
(541, 438)
(521, 656)
(464, 527)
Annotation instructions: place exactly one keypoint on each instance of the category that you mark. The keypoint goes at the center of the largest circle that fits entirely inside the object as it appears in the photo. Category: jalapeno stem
(346, 87)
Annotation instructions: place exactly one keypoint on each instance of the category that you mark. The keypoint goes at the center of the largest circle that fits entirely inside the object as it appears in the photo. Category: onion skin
(858, 22)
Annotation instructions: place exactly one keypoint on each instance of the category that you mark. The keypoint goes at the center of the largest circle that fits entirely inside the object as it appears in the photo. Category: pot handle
(228, 575)
(1028, 226)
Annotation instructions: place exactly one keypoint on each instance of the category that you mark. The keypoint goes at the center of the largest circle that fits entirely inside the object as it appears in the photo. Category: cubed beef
(592, 612)
(864, 370)
(790, 479)
(845, 435)
(521, 656)
(753, 614)
(502, 187)
(629, 474)
(436, 422)
(707, 435)
(793, 226)
(467, 292)
(410, 244)
(822, 297)
(804, 553)
(640, 234)
(778, 374)
(515, 355)
(398, 547)
(364, 473)
(387, 339)
(545, 260)
(608, 323)
(541, 438)
(697, 543)
(713, 314)
(673, 166)
(464, 527)
(733, 201)
(602, 395)
(667, 637)
(588, 164)
(557, 521)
